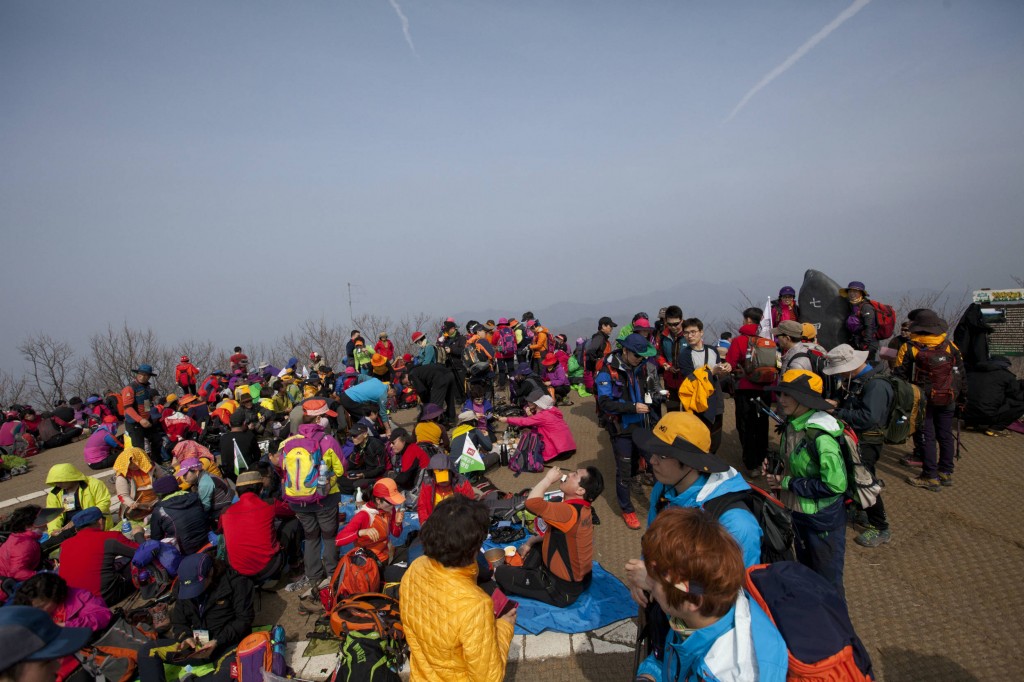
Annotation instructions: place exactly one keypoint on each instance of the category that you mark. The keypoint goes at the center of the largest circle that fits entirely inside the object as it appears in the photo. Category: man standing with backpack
(866, 409)
(933, 362)
(751, 422)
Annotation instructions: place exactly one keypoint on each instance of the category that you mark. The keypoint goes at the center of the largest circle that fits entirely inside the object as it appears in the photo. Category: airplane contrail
(405, 26)
(847, 13)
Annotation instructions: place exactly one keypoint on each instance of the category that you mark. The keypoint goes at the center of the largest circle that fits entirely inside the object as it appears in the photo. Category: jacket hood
(993, 364)
(750, 329)
(314, 431)
(930, 340)
(63, 473)
(819, 420)
(180, 500)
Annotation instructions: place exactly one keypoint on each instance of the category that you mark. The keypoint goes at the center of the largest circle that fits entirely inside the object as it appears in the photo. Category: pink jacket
(83, 609)
(551, 426)
(19, 556)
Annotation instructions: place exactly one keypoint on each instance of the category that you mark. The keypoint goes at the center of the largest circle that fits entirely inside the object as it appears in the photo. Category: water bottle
(278, 637)
(322, 480)
(126, 528)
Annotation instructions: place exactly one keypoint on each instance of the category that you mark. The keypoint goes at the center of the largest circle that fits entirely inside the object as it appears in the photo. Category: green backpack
(907, 410)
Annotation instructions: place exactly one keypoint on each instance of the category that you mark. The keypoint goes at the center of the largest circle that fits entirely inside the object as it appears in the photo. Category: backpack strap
(740, 499)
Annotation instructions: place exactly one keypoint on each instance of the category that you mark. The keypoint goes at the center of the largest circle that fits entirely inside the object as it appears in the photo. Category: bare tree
(50, 360)
(12, 390)
(202, 354)
(401, 335)
(372, 325)
(114, 354)
(949, 307)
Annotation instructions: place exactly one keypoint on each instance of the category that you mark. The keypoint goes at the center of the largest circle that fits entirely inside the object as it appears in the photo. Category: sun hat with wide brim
(859, 286)
(317, 407)
(378, 360)
(843, 358)
(683, 437)
(29, 634)
(430, 411)
(144, 369)
(804, 387)
(928, 322)
(466, 416)
(636, 343)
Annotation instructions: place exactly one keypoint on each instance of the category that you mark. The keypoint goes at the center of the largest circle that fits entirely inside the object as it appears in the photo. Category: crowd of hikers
(246, 479)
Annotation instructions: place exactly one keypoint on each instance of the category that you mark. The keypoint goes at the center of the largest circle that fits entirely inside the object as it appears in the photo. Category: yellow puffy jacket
(93, 494)
(450, 625)
(696, 390)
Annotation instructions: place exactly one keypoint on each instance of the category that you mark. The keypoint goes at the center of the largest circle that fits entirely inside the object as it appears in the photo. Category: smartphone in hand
(502, 604)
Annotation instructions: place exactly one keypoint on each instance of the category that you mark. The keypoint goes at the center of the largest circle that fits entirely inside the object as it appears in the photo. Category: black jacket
(182, 517)
(424, 377)
(971, 337)
(992, 388)
(225, 610)
(867, 406)
(370, 460)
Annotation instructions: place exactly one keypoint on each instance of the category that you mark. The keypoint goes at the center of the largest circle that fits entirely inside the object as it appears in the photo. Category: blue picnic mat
(606, 601)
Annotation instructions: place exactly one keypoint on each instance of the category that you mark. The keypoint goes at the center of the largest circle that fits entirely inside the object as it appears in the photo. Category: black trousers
(752, 427)
(869, 454)
(534, 581)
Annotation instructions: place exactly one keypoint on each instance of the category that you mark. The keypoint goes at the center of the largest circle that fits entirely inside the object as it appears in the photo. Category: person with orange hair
(716, 631)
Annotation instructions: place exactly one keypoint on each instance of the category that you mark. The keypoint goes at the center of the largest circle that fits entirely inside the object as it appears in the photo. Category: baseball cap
(193, 575)
(790, 328)
(86, 517)
(606, 320)
(317, 407)
(29, 634)
(387, 489)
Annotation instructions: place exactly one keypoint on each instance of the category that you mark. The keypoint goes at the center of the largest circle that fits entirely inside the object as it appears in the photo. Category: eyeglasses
(691, 332)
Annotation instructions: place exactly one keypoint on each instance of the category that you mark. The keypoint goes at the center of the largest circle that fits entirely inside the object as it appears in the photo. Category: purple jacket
(556, 376)
(99, 445)
(551, 426)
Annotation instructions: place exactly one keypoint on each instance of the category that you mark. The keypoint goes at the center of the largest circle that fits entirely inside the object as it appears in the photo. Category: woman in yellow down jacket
(72, 491)
(449, 622)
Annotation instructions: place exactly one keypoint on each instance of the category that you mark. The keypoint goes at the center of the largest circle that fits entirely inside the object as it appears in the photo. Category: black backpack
(772, 516)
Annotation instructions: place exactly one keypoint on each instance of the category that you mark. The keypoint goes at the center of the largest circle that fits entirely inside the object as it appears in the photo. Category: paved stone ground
(942, 601)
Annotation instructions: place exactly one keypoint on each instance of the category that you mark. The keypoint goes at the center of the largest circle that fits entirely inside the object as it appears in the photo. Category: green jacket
(808, 485)
(93, 494)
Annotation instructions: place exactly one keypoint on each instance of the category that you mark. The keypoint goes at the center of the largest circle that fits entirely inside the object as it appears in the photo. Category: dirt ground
(942, 601)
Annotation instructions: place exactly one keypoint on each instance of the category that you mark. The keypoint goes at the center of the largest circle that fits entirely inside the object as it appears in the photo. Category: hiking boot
(912, 461)
(631, 520)
(300, 585)
(945, 479)
(872, 537)
(309, 608)
(931, 484)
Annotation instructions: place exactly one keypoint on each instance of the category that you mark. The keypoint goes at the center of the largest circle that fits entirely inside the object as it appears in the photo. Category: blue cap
(194, 575)
(144, 369)
(29, 634)
(638, 345)
(86, 517)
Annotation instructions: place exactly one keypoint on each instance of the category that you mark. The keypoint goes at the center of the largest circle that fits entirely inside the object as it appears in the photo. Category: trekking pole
(956, 416)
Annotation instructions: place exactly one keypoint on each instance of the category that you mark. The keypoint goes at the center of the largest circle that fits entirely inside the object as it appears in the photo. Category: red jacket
(425, 503)
(249, 534)
(738, 352)
(84, 557)
(385, 348)
(185, 373)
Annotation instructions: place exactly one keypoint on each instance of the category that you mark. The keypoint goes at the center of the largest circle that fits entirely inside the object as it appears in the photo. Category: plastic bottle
(322, 480)
(126, 527)
(278, 637)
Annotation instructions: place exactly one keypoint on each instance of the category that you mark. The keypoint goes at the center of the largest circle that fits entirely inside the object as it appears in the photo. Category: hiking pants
(561, 392)
(105, 463)
(534, 581)
(752, 427)
(824, 552)
(505, 368)
(627, 456)
(320, 524)
(937, 430)
(140, 435)
(869, 454)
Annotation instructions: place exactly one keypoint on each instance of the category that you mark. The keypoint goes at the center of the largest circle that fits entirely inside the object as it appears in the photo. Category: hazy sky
(203, 167)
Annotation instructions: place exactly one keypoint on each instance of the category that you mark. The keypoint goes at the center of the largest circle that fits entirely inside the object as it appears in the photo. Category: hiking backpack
(861, 485)
(302, 462)
(775, 520)
(441, 354)
(761, 362)
(260, 652)
(814, 621)
(357, 572)
(817, 360)
(529, 453)
(373, 646)
(936, 372)
(907, 411)
(506, 343)
(885, 320)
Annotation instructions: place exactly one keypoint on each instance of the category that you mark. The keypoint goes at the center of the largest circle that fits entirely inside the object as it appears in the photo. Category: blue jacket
(427, 355)
(371, 390)
(740, 523)
(742, 645)
(620, 387)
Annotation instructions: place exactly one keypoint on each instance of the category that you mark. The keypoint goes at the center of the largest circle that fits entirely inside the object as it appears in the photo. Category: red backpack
(936, 372)
(885, 317)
